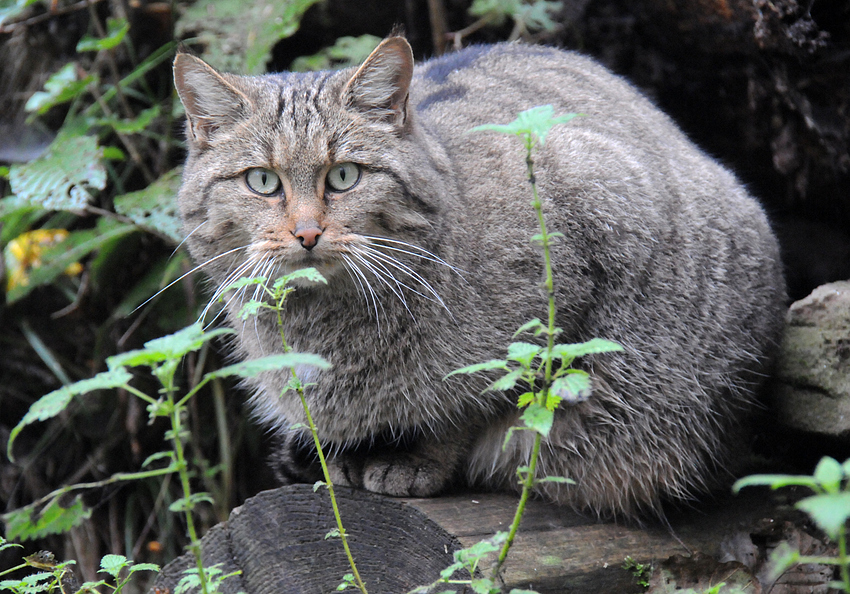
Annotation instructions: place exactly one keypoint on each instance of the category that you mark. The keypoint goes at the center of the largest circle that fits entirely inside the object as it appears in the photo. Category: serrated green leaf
(334, 533)
(523, 352)
(61, 87)
(478, 367)
(591, 347)
(829, 511)
(116, 30)
(50, 405)
(525, 399)
(155, 208)
(829, 474)
(311, 274)
(572, 387)
(538, 418)
(27, 523)
(483, 586)
(145, 567)
(113, 564)
(134, 125)
(534, 123)
(254, 367)
(245, 282)
(60, 179)
(172, 347)
(506, 382)
(187, 504)
(250, 309)
(449, 571)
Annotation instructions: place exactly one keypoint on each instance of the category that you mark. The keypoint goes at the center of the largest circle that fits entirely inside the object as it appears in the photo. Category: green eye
(262, 181)
(343, 176)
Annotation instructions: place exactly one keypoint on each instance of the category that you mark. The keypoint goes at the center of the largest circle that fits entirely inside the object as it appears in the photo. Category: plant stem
(194, 541)
(542, 395)
(328, 483)
(842, 557)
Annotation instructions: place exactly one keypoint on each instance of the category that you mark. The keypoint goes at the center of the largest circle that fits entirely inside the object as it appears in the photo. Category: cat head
(326, 170)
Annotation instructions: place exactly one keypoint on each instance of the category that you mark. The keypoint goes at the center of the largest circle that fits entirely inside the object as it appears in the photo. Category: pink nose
(308, 235)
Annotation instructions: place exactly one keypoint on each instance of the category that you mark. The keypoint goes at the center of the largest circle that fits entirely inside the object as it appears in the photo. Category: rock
(812, 392)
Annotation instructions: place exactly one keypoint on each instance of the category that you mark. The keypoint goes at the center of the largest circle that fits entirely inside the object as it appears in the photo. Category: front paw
(406, 475)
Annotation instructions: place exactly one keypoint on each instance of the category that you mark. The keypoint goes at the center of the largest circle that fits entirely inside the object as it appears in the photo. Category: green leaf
(829, 511)
(172, 347)
(254, 367)
(112, 153)
(26, 523)
(113, 564)
(555, 479)
(145, 567)
(538, 418)
(187, 504)
(61, 87)
(116, 29)
(523, 352)
(534, 325)
(131, 126)
(525, 399)
(250, 309)
(169, 455)
(829, 474)
(572, 387)
(60, 179)
(580, 349)
(483, 586)
(334, 533)
(311, 274)
(506, 382)
(776, 481)
(449, 571)
(478, 367)
(238, 36)
(534, 124)
(346, 51)
(155, 207)
(52, 404)
(245, 282)
(318, 485)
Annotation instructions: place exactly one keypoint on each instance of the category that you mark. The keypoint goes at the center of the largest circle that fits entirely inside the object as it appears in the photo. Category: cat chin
(326, 267)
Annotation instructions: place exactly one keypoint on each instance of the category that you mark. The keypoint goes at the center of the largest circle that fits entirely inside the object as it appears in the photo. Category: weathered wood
(277, 540)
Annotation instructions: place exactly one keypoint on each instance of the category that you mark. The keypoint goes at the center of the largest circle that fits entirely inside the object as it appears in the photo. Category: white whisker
(419, 252)
(192, 271)
(368, 286)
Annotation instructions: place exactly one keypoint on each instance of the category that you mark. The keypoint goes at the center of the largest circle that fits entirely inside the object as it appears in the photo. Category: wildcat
(423, 230)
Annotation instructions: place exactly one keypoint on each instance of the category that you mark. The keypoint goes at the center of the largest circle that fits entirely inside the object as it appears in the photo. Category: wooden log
(277, 539)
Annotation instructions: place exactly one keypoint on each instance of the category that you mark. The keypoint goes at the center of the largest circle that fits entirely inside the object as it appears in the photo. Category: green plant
(641, 571)
(829, 509)
(162, 357)
(54, 576)
(273, 298)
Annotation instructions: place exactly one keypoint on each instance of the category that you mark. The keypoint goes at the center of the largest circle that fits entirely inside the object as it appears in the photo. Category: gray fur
(664, 252)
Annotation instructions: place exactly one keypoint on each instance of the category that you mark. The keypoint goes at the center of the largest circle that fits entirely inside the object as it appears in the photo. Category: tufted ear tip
(380, 87)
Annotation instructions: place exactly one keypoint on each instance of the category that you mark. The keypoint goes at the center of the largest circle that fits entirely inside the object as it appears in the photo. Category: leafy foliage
(829, 509)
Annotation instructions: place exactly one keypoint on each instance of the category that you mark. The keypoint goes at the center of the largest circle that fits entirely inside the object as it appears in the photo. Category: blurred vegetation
(92, 264)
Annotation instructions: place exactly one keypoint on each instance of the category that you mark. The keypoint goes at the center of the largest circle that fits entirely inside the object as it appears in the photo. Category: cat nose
(308, 234)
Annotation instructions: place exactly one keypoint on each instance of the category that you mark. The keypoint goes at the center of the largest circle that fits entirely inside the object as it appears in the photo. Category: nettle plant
(829, 509)
(162, 357)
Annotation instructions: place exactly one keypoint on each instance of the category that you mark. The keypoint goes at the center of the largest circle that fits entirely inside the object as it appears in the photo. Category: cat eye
(262, 181)
(343, 176)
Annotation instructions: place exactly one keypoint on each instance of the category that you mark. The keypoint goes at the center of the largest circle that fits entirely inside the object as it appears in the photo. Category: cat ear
(210, 101)
(380, 86)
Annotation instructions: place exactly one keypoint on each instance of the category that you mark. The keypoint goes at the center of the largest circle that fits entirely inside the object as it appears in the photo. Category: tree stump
(277, 539)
